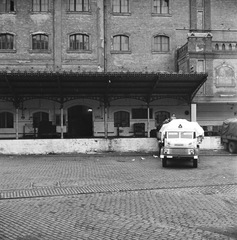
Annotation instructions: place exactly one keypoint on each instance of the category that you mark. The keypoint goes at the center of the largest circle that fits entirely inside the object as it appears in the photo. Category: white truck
(180, 139)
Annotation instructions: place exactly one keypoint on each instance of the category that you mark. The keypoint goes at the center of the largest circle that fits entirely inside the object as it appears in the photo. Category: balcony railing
(182, 51)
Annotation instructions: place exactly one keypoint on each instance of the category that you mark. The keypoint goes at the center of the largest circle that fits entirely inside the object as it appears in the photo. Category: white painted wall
(60, 146)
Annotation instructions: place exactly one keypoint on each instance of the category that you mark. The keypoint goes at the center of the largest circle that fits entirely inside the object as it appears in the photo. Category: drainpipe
(105, 37)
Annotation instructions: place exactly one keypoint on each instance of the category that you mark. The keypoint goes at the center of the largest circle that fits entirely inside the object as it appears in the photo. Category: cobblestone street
(67, 197)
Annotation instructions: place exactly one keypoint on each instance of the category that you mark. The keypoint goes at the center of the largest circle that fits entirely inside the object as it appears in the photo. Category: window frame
(74, 2)
(160, 13)
(10, 50)
(7, 7)
(120, 50)
(162, 44)
(32, 50)
(120, 6)
(6, 115)
(119, 121)
(70, 50)
(40, 6)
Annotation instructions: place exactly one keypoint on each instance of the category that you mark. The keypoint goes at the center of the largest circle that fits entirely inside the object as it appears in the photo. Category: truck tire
(232, 147)
(195, 163)
(164, 162)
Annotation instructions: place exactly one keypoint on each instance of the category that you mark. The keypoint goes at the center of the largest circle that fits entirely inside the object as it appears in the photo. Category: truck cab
(180, 139)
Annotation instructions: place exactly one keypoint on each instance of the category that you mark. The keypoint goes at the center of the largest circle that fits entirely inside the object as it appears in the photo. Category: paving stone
(78, 197)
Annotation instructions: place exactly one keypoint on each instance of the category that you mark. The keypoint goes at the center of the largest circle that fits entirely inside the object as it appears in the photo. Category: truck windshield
(177, 134)
(188, 135)
(173, 134)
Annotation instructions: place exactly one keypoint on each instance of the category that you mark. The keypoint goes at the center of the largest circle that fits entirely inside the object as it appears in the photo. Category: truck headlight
(191, 151)
(166, 151)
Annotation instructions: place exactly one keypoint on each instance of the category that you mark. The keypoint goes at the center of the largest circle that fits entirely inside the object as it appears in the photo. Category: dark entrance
(80, 122)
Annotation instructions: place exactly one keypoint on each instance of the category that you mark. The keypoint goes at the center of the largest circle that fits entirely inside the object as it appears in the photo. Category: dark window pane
(141, 113)
(6, 120)
(121, 119)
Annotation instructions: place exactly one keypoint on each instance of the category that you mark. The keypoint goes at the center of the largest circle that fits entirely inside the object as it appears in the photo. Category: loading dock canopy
(24, 85)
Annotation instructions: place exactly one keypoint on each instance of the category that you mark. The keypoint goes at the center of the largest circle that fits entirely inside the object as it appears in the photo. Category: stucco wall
(58, 146)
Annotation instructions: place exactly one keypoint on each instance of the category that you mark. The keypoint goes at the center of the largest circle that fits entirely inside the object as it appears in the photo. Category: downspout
(105, 37)
(105, 70)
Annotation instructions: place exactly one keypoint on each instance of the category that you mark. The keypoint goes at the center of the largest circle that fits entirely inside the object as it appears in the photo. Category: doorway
(160, 117)
(80, 122)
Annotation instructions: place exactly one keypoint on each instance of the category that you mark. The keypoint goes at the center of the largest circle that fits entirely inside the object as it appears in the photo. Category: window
(161, 6)
(78, 5)
(200, 20)
(141, 113)
(40, 117)
(120, 6)
(121, 119)
(40, 42)
(161, 44)
(120, 43)
(7, 5)
(40, 5)
(6, 120)
(200, 66)
(79, 42)
(6, 41)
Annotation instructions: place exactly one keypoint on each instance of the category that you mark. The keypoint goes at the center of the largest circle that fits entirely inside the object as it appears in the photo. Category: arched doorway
(80, 122)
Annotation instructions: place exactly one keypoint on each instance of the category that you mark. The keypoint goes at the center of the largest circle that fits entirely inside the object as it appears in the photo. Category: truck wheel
(232, 147)
(164, 162)
(195, 163)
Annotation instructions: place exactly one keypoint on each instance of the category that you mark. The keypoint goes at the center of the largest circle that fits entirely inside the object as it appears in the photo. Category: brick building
(47, 47)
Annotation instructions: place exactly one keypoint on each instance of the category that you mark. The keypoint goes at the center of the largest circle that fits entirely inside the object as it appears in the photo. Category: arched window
(78, 5)
(217, 47)
(121, 119)
(161, 6)
(40, 5)
(79, 42)
(6, 120)
(40, 42)
(6, 41)
(120, 6)
(161, 43)
(120, 43)
(223, 47)
(230, 47)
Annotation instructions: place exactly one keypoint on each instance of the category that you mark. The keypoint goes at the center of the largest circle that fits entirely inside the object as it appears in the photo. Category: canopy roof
(149, 86)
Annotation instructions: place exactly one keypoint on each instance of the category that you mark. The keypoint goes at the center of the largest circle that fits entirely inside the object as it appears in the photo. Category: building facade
(164, 36)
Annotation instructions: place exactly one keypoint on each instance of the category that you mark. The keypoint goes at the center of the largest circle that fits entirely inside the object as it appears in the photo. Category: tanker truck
(180, 139)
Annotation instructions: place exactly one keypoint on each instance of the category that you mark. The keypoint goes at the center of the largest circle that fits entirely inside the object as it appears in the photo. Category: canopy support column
(148, 120)
(106, 104)
(106, 120)
(61, 118)
(193, 112)
(17, 122)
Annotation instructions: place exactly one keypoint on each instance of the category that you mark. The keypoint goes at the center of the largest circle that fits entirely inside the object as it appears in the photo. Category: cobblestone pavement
(117, 197)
